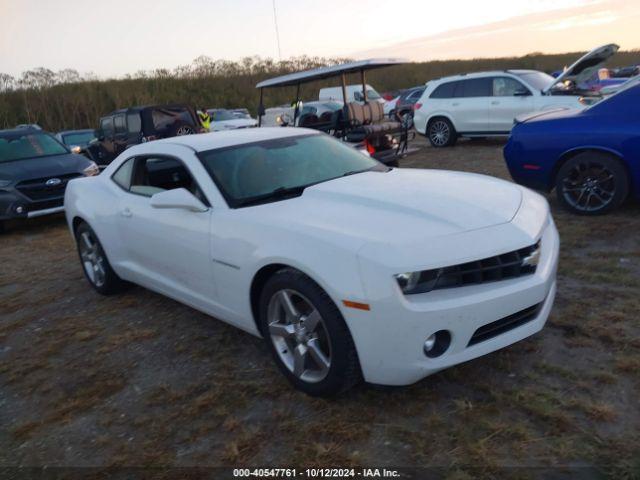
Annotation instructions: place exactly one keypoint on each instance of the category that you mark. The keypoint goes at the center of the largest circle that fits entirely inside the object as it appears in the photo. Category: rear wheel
(180, 129)
(441, 133)
(94, 262)
(407, 120)
(592, 183)
(307, 335)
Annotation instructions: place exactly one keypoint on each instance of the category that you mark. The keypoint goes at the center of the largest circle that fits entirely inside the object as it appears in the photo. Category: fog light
(430, 343)
(20, 209)
(437, 344)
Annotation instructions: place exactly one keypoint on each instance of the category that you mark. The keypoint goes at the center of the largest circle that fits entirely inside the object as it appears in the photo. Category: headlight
(5, 183)
(92, 170)
(418, 282)
(587, 101)
(75, 149)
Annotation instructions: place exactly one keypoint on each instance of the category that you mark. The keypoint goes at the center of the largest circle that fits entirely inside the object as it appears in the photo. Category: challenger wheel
(592, 183)
(441, 133)
(94, 262)
(307, 335)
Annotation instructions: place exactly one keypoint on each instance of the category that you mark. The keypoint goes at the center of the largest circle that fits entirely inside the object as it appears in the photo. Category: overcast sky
(115, 37)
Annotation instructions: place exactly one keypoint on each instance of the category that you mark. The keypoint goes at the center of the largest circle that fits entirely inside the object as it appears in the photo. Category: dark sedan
(77, 140)
(34, 171)
(589, 156)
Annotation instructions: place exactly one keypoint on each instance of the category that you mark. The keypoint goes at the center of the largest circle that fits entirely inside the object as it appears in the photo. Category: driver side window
(507, 87)
(147, 176)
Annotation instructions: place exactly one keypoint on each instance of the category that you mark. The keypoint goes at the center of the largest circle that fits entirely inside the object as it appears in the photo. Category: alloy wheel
(590, 186)
(184, 130)
(93, 260)
(439, 133)
(299, 335)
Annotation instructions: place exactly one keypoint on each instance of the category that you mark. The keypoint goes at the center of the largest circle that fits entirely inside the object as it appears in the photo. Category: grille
(43, 205)
(38, 189)
(505, 324)
(500, 267)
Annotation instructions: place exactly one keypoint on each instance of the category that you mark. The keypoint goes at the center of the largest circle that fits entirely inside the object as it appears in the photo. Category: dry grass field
(140, 380)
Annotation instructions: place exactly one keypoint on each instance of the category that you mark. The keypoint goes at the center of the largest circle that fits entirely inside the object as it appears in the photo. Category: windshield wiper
(277, 194)
(375, 168)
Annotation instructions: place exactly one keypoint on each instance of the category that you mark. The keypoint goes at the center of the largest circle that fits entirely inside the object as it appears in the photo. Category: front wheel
(592, 183)
(441, 133)
(95, 264)
(307, 335)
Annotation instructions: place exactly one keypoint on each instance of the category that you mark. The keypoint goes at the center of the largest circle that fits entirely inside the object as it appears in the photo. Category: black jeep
(130, 126)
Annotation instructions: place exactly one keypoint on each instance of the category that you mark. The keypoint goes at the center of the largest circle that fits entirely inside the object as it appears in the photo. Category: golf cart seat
(370, 119)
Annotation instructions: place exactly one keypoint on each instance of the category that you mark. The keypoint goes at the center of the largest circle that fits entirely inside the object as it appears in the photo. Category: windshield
(538, 80)
(222, 115)
(19, 146)
(79, 138)
(372, 94)
(260, 172)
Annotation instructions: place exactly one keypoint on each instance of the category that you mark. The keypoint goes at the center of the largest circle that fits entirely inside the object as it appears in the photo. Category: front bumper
(390, 337)
(15, 205)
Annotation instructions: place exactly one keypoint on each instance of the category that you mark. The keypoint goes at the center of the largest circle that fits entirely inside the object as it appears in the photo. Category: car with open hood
(34, 171)
(485, 104)
(347, 268)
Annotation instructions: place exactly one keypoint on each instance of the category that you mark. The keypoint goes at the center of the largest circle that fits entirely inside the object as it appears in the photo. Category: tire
(407, 120)
(441, 133)
(592, 183)
(181, 128)
(94, 262)
(307, 336)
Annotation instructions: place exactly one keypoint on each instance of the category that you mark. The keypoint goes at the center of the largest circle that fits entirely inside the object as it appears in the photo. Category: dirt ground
(140, 380)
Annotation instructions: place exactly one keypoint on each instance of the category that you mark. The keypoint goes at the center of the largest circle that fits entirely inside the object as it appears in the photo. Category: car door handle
(455, 104)
(495, 102)
(126, 212)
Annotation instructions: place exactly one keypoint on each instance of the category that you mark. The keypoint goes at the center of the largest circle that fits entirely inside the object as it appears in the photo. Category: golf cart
(360, 123)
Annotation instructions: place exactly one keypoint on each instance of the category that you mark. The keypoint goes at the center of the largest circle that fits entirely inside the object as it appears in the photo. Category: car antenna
(275, 21)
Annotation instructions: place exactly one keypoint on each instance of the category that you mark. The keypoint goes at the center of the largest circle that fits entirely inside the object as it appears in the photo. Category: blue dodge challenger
(591, 157)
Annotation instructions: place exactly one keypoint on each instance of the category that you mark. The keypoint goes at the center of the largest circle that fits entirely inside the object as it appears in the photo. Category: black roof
(140, 108)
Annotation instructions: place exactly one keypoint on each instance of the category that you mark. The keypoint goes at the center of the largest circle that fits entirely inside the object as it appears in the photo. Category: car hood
(553, 114)
(52, 166)
(235, 123)
(586, 65)
(396, 207)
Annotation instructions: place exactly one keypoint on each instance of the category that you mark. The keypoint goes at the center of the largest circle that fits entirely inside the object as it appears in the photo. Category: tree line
(67, 99)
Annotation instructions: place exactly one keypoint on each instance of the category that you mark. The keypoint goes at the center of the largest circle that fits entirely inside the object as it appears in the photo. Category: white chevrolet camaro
(348, 269)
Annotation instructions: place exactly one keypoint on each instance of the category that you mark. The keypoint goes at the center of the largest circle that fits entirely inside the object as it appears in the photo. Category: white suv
(485, 104)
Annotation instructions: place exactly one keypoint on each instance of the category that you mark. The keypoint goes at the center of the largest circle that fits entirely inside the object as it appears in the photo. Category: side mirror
(99, 135)
(179, 198)
(522, 93)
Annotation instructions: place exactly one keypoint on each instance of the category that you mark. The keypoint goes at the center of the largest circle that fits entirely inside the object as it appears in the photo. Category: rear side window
(120, 124)
(134, 124)
(123, 175)
(446, 90)
(474, 87)
(106, 125)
